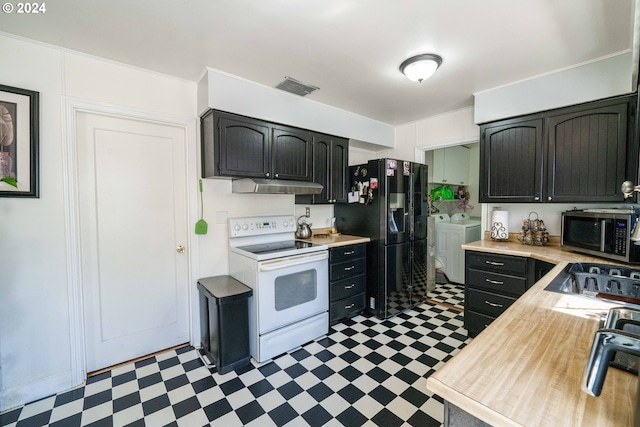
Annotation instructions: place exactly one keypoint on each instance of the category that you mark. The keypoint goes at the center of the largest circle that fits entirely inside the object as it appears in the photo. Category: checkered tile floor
(366, 372)
(448, 293)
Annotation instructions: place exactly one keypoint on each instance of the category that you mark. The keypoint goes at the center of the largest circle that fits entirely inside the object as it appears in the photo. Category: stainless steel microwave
(603, 233)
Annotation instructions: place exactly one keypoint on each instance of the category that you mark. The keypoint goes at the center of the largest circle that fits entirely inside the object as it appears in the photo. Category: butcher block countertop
(323, 237)
(526, 368)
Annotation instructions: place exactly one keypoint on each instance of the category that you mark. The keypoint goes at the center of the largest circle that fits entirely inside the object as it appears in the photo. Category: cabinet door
(451, 165)
(586, 154)
(511, 161)
(243, 146)
(339, 170)
(438, 166)
(291, 153)
(322, 167)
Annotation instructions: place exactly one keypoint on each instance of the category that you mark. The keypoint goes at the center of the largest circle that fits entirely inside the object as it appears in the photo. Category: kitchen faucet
(605, 344)
(608, 340)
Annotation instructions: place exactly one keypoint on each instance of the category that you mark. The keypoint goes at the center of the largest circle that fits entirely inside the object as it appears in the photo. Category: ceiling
(351, 49)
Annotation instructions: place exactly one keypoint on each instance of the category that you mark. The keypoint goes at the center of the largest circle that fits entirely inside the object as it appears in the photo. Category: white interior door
(133, 223)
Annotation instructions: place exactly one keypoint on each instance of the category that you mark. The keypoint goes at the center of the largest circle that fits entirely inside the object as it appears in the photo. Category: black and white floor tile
(365, 372)
(448, 294)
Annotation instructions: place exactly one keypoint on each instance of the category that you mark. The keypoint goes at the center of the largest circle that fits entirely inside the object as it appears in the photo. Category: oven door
(291, 289)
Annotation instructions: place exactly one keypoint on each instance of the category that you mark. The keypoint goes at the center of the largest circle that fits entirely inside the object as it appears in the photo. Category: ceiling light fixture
(420, 67)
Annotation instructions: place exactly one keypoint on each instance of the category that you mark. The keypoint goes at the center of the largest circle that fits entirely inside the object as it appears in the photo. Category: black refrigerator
(388, 203)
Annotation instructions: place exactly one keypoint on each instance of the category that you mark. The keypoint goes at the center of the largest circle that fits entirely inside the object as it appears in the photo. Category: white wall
(233, 94)
(587, 82)
(35, 349)
(34, 330)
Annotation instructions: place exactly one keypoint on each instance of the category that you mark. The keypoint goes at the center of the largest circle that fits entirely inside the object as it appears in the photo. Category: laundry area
(452, 232)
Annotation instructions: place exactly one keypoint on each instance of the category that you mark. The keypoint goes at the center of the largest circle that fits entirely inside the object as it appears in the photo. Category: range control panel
(261, 225)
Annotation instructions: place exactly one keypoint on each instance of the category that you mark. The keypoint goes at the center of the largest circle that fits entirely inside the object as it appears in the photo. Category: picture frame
(19, 142)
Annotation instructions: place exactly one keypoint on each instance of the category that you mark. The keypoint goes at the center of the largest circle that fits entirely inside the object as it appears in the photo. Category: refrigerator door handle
(411, 213)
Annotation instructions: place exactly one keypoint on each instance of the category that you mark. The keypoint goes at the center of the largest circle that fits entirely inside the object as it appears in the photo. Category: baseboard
(22, 394)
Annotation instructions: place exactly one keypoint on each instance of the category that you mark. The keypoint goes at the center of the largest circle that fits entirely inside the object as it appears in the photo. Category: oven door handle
(292, 261)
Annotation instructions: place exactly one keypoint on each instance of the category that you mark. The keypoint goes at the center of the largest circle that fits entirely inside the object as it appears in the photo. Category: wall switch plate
(307, 212)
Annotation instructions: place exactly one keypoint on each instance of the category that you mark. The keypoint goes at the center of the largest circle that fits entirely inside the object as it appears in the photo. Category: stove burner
(275, 247)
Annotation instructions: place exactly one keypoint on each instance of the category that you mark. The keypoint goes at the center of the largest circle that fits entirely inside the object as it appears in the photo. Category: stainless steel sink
(606, 281)
(620, 285)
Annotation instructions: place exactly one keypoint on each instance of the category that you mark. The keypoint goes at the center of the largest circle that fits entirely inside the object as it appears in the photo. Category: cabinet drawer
(487, 302)
(501, 283)
(347, 287)
(346, 269)
(475, 322)
(497, 263)
(345, 308)
(343, 253)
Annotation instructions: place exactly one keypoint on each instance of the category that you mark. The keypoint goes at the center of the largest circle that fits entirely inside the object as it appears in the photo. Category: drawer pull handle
(349, 268)
(350, 253)
(493, 282)
(492, 304)
(347, 307)
(495, 263)
(350, 286)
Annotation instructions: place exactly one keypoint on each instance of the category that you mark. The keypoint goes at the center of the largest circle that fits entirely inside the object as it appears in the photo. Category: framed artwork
(19, 137)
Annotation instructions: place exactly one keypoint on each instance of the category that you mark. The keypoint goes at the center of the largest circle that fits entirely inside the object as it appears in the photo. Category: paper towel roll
(500, 225)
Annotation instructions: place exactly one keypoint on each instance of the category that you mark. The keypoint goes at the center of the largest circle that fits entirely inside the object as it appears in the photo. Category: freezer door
(397, 279)
(419, 201)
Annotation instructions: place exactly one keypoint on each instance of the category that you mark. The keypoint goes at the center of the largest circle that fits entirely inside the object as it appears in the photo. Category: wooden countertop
(552, 254)
(526, 368)
(323, 237)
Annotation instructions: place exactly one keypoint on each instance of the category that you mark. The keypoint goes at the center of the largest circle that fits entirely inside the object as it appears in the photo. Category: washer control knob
(236, 227)
(245, 227)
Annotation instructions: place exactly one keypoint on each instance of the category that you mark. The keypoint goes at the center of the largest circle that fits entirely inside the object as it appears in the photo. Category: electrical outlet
(307, 212)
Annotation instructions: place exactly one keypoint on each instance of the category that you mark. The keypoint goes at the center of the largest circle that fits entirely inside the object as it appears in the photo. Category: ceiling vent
(296, 87)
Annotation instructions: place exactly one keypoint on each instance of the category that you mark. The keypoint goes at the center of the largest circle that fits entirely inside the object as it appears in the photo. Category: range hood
(274, 186)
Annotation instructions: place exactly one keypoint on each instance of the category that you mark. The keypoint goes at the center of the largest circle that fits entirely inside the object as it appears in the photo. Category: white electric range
(289, 278)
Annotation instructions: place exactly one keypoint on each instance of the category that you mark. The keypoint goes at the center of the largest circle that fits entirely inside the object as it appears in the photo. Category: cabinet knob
(350, 306)
(180, 249)
(549, 198)
(536, 198)
(267, 174)
(276, 175)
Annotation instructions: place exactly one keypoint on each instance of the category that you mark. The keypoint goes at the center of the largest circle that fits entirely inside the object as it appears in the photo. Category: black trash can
(224, 322)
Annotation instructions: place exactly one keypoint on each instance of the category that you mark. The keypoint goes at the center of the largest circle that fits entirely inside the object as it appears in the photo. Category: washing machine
(451, 233)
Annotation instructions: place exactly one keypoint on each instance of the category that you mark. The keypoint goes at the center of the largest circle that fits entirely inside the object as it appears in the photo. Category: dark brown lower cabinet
(493, 282)
(347, 281)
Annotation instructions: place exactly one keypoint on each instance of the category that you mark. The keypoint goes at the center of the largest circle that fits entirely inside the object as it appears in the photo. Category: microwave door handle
(292, 261)
(603, 234)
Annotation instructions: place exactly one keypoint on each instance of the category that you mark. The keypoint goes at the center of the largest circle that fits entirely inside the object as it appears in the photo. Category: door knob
(180, 249)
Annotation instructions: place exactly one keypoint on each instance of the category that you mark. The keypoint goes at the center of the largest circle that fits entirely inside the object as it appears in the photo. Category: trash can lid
(224, 288)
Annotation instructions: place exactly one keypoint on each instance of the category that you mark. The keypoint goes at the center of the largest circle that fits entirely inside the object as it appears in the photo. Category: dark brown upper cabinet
(581, 153)
(330, 168)
(511, 160)
(237, 146)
